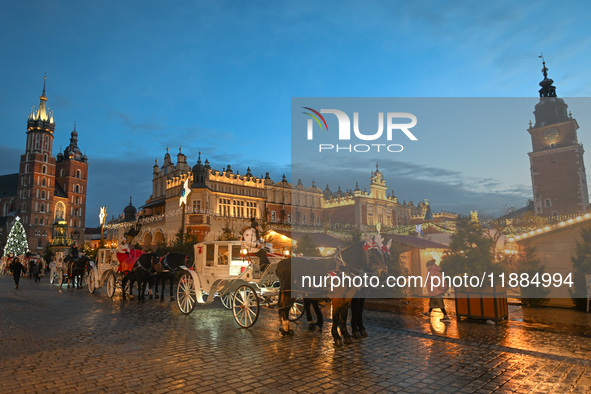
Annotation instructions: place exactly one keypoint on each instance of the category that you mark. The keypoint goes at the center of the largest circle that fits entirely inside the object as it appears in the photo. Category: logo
(344, 133)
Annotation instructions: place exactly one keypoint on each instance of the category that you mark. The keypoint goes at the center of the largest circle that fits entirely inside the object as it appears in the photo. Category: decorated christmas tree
(17, 240)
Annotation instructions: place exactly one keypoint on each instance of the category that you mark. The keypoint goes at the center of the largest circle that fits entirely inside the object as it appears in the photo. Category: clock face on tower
(551, 134)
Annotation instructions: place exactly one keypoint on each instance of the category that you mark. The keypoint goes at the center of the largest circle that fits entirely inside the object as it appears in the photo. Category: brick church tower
(50, 190)
(558, 173)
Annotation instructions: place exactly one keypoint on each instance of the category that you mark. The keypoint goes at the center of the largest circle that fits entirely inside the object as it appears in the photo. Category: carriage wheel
(245, 306)
(297, 310)
(186, 294)
(90, 282)
(110, 284)
(227, 300)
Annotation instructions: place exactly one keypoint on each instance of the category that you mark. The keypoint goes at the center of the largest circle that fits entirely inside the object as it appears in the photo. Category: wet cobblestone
(64, 341)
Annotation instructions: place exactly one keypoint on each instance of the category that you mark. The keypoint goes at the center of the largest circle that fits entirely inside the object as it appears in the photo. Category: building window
(36, 220)
(77, 188)
(548, 202)
(77, 173)
(273, 216)
(62, 172)
(41, 221)
(45, 158)
(289, 218)
(43, 194)
(304, 219)
(44, 169)
(42, 207)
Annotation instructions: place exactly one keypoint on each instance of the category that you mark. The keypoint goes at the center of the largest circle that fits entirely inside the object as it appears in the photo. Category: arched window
(43, 182)
(76, 212)
(77, 189)
(44, 170)
(46, 144)
(37, 139)
(43, 195)
(26, 168)
(62, 172)
(45, 157)
(78, 173)
(42, 207)
(60, 211)
(76, 199)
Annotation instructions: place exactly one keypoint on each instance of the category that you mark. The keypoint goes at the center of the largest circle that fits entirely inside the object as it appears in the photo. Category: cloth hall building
(226, 199)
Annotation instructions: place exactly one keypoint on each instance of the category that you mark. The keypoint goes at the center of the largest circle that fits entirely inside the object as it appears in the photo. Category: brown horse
(348, 265)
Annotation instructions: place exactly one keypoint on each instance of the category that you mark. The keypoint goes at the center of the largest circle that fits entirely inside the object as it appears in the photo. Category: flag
(184, 193)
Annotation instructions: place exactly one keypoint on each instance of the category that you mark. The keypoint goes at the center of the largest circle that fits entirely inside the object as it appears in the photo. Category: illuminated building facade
(224, 200)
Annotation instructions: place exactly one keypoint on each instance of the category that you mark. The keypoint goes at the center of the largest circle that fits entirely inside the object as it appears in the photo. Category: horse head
(377, 254)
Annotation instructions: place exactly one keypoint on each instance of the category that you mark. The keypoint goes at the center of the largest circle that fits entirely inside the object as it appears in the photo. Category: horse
(143, 274)
(75, 269)
(359, 259)
(166, 270)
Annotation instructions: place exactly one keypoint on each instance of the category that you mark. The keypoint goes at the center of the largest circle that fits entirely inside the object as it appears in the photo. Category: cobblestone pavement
(554, 331)
(68, 340)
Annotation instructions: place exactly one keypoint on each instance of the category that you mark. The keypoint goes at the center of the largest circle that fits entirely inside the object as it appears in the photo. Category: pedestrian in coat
(436, 293)
(16, 267)
(37, 271)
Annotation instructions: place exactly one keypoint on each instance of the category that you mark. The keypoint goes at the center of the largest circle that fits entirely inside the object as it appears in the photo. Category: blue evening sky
(218, 77)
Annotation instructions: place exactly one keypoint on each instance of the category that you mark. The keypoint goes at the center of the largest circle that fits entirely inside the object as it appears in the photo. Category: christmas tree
(17, 240)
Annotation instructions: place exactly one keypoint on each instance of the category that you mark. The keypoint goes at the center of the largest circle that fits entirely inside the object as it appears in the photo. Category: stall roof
(418, 242)
(320, 239)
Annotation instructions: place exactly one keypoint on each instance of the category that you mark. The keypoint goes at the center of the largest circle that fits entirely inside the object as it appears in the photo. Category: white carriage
(225, 269)
(103, 271)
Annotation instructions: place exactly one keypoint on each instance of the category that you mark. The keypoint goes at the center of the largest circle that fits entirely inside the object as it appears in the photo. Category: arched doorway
(158, 238)
(147, 241)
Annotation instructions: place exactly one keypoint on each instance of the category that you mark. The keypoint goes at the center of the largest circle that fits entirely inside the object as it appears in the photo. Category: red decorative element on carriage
(385, 249)
(127, 261)
(199, 249)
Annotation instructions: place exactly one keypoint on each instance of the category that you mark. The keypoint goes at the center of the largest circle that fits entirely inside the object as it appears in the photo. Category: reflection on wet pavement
(70, 341)
(555, 331)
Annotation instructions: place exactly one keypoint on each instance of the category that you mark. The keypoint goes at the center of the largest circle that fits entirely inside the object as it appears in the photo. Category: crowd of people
(28, 265)
(32, 266)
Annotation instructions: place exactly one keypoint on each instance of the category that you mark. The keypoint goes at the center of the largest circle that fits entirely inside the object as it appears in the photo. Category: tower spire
(42, 114)
(547, 90)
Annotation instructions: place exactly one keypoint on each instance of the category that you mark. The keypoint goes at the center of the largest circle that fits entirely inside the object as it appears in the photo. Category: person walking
(37, 271)
(436, 293)
(16, 267)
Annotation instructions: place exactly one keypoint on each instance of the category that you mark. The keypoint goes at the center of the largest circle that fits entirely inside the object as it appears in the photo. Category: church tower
(36, 178)
(557, 169)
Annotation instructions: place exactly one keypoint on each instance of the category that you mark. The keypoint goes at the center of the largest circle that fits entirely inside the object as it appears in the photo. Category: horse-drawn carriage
(104, 272)
(225, 269)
